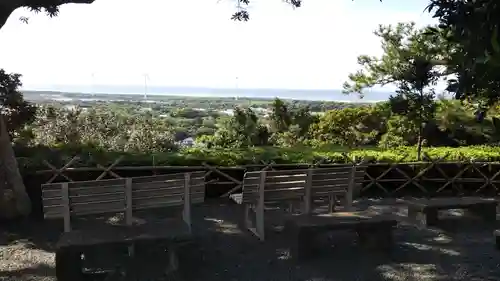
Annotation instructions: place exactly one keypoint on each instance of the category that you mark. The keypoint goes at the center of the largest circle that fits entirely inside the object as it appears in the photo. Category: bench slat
(333, 176)
(80, 209)
(148, 179)
(175, 184)
(276, 173)
(323, 182)
(333, 189)
(167, 197)
(86, 198)
(274, 179)
(108, 208)
(78, 190)
(95, 191)
(164, 192)
(274, 195)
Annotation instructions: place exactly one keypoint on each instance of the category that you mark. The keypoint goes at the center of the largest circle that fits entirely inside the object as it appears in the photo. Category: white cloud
(194, 43)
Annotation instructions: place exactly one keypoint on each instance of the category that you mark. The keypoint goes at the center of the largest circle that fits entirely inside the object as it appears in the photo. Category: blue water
(297, 94)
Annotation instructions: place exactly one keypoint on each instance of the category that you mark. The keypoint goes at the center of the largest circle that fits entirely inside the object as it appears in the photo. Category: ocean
(294, 94)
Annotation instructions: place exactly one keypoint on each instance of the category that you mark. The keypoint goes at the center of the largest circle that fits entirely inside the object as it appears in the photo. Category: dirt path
(459, 250)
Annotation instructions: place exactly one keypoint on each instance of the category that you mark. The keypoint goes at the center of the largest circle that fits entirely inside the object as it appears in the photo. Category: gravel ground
(461, 248)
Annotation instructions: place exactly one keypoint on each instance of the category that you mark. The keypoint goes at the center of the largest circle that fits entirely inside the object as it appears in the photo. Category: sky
(194, 43)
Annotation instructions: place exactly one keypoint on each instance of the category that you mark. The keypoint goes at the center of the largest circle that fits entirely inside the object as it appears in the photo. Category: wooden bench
(264, 188)
(425, 212)
(72, 200)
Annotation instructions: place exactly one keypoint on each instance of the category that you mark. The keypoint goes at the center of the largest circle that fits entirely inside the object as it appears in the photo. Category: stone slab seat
(425, 211)
(374, 230)
(169, 230)
(72, 244)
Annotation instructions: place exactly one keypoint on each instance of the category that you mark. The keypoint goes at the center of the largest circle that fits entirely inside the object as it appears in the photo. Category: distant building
(187, 142)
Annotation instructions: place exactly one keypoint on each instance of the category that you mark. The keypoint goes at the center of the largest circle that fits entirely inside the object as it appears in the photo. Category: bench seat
(374, 231)
(425, 211)
(170, 230)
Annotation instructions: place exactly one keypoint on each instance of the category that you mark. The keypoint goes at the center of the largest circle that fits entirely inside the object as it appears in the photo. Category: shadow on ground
(458, 249)
(39, 234)
(40, 270)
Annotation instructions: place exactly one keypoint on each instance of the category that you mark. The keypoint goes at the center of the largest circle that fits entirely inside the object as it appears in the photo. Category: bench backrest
(336, 180)
(341, 180)
(291, 185)
(275, 186)
(64, 200)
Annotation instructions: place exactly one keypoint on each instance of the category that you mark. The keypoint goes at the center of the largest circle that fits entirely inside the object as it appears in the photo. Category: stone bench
(166, 238)
(425, 212)
(374, 231)
(98, 242)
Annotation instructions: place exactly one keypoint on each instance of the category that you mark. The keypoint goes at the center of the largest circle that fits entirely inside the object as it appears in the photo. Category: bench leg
(413, 214)
(331, 203)
(431, 217)
(255, 214)
(376, 238)
(69, 265)
(302, 246)
(427, 217)
(172, 271)
(487, 212)
(189, 254)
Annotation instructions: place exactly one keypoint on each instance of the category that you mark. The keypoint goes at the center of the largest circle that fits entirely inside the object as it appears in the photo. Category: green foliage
(101, 128)
(256, 155)
(241, 130)
(111, 128)
(400, 132)
(472, 35)
(347, 127)
(14, 109)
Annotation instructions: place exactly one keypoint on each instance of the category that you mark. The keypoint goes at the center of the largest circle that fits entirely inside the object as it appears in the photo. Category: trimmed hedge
(31, 158)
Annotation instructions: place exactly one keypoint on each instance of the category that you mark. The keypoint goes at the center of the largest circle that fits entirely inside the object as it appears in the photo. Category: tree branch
(7, 7)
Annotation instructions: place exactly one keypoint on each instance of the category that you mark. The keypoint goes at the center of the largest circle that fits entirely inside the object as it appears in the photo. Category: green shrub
(31, 158)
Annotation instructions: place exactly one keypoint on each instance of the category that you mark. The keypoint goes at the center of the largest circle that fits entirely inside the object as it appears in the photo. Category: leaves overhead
(473, 29)
(401, 44)
(14, 109)
(242, 12)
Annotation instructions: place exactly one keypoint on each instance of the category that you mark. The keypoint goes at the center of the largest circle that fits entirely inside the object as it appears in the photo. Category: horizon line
(56, 88)
(356, 100)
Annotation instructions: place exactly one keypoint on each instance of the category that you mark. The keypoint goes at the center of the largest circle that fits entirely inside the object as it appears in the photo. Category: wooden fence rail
(433, 177)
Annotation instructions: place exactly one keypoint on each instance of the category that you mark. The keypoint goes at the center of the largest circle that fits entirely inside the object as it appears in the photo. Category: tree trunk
(419, 142)
(420, 124)
(13, 179)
